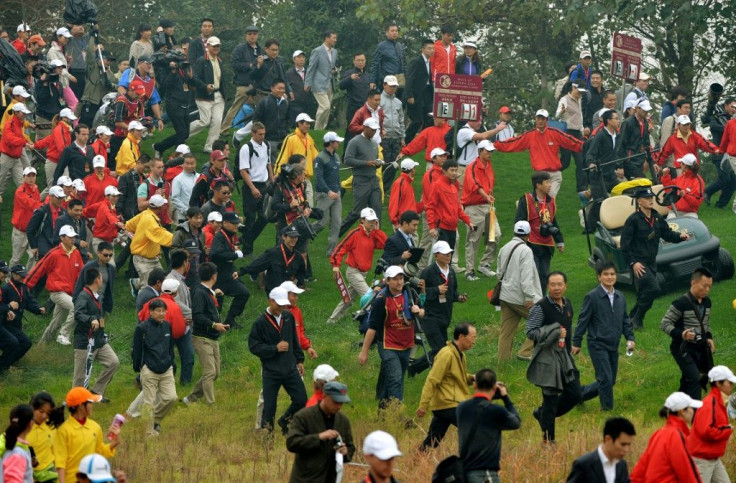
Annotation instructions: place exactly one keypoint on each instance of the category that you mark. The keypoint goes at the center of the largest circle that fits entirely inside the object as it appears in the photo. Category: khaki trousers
(478, 215)
(556, 181)
(105, 356)
(712, 471)
(511, 314)
(324, 100)
(426, 241)
(144, 267)
(159, 392)
(210, 117)
(357, 287)
(19, 242)
(63, 311)
(10, 168)
(208, 351)
(235, 107)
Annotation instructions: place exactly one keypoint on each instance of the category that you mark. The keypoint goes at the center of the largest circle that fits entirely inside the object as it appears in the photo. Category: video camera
(163, 59)
(42, 67)
(410, 273)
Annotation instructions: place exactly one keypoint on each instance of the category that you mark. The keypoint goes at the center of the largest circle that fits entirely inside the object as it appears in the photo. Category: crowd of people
(107, 203)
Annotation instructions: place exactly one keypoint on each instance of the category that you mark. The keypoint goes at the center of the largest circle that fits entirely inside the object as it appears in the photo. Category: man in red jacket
(428, 140)
(61, 267)
(12, 144)
(371, 108)
(97, 181)
(304, 341)
(711, 430)
(438, 156)
(359, 245)
(402, 193)
(443, 207)
(544, 145)
(684, 141)
(108, 222)
(26, 200)
(445, 53)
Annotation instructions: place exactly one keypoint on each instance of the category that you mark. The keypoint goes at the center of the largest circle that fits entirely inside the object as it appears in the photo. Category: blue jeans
(605, 363)
(390, 383)
(186, 355)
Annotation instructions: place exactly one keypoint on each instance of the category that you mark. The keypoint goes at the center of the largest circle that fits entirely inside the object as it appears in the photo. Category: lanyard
(94, 299)
(227, 238)
(287, 262)
(19, 292)
(273, 322)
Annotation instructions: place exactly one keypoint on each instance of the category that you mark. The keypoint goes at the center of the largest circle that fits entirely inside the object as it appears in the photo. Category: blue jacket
(604, 323)
(327, 172)
(388, 59)
(579, 73)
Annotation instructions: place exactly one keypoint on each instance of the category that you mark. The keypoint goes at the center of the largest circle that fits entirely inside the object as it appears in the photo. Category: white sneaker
(582, 218)
(486, 270)
(186, 401)
(63, 340)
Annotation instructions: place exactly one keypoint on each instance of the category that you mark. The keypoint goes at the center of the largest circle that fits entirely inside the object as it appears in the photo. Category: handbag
(496, 296)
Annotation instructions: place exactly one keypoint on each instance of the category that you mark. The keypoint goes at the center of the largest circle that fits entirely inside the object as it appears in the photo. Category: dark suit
(438, 308)
(589, 469)
(396, 245)
(40, 230)
(419, 87)
(78, 163)
(303, 101)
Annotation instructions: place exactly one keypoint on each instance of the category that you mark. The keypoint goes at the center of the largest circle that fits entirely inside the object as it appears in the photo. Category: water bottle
(117, 422)
(629, 349)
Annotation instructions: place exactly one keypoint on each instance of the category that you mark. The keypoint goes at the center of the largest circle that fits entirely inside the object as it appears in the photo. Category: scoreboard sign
(626, 57)
(458, 97)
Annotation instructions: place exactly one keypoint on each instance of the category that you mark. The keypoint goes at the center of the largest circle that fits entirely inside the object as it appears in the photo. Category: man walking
(327, 186)
(256, 172)
(607, 463)
(223, 252)
(356, 84)
(210, 93)
(149, 236)
(25, 201)
(319, 80)
(393, 124)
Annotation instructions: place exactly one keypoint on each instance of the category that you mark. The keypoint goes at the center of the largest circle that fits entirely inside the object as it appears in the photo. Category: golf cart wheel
(724, 265)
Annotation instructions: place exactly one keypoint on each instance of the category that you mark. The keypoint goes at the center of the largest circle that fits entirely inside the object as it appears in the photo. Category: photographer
(290, 205)
(539, 209)
(175, 83)
(99, 80)
(687, 322)
(49, 95)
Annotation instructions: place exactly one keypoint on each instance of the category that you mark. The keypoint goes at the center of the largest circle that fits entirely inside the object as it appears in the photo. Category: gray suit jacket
(319, 71)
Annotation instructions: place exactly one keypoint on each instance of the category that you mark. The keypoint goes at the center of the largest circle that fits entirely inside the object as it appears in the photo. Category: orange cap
(37, 39)
(79, 395)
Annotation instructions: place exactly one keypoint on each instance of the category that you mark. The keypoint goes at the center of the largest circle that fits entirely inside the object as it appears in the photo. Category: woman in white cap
(469, 62)
(690, 184)
(667, 458)
(101, 144)
(57, 52)
(54, 143)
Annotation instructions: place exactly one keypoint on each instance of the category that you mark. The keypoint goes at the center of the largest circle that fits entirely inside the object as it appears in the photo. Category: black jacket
(196, 49)
(153, 346)
(632, 140)
(48, 98)
(356, 90)
(640, 240)
(40, 230)
(79, 164)
(128, 184)
(245, 60)
(433, 307)
(274, 116)
(87, 309)
(279, 266)
(589, 469)
(483, 452)
(18, 292)
(204, 313)
(303, 101)
(107, 300)
(270, 69)
(222, 254)
(263, 340)
(171, 84)
(416, 85)
(602, 152)
(80, 226)
(202, 190)
(204, 75)
(395, 246)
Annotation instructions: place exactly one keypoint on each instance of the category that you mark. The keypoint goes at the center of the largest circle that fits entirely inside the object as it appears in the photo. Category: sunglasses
(106, 255)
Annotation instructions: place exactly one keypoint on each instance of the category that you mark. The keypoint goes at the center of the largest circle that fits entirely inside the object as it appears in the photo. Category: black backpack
(449, 470)
(251, 149)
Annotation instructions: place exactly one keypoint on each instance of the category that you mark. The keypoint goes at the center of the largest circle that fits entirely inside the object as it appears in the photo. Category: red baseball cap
(504, 110)
(217, 154)
(138, 87)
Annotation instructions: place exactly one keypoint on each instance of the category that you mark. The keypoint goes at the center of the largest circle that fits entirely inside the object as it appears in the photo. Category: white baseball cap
(183, 149)
(170, 285)
(28, 170)
(688, 160)
(67, 230)
(297, 53)
(487, 145)
(64, 181)
(331, 136)
(372, 123)
(67, 114)
(721, 373)
(630, 104)
(57, 192)
(99, 161)
(64, 31)
(683, 119)
(290, 286)
(408, 164)
(157, 201)
(20, 107)
(391, 80)
(522, 227)
(543, 113)
(393, 271)
(214, 216)
(96, 468)
(325, 372)
(585, 53)
(368, 214)
(135, 125)
(437, 152)
(21, 91)
(470, 44)
(102, 129)
(111, 191)
(644, 104)
(213, 41)
(280, 296)
(24, 27)
(57, 63)
(79, 185)
(304, 117)
(441, 247)
(644, 76)
(381, 445)
(677, 401)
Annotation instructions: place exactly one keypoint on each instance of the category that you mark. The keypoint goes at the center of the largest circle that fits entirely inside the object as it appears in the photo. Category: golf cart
(675, 261)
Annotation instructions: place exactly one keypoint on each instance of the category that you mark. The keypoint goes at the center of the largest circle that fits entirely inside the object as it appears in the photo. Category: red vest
(165, 219)
(398, 333)
(298, 193)
(539, 213)
(133, 110)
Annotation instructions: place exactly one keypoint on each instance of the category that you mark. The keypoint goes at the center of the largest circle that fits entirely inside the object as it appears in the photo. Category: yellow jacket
(448, 382)
(129, 153)
(6, 118)
(74, 441)
(297, 143)
(148, 235)
(41, 438)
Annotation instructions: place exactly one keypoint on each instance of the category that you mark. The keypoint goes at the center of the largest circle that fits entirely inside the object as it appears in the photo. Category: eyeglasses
(106, 255)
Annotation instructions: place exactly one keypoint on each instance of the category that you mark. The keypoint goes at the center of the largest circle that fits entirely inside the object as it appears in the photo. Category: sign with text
(458, 96)
(626, 57)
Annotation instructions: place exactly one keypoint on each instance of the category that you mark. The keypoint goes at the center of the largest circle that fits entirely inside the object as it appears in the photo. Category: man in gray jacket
(520, 290)
(319, 80)
(393, 124)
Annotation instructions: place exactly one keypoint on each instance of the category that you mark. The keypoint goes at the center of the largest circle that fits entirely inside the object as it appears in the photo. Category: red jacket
(544, 147)
(430, 138)
(100, 148)
(60, 268)
(478, 176)
(666, 459)
(209, 234)
(96, 187)
(106, 219)
(316, 398)
(692, 190)
(359, 246)
(356, 125)
(304, 341)
(433, 173)
(20, 46)
(174, 316)
(711, 431)
(54, 143)
(728, 141)
(12, 141)
(26, 200)
(402, 198)
(443, 206)
(441, 61)
(680, 146)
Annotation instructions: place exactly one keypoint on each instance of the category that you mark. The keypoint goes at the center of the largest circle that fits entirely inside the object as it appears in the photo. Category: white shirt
(181, 190)
(610, 294)
(258, 165)
(374, 114)
(429, 69)
(277, 317)
(609, 467)
(465, 138)
(505, 133)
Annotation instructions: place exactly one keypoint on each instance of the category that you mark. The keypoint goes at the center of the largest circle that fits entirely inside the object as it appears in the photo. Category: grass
(219, 443)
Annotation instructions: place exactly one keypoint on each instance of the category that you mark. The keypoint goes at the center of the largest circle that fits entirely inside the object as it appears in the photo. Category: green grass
(203, 443)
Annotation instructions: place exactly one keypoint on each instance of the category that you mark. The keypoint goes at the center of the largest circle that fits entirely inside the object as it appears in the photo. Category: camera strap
(698, 315)
(508, 260)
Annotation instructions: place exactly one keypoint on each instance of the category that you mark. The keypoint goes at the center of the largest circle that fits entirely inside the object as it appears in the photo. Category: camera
(410, 276)
(548, 229)
(162, 59)
(338, 443)
(41, 68)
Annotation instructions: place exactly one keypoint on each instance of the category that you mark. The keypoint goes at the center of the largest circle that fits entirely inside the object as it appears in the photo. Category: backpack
(251, 149)
(449, 470)
(449, 142)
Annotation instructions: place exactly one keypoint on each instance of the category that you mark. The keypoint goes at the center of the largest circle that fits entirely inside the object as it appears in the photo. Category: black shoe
(157, 427)
(537, 413)
(284, 425)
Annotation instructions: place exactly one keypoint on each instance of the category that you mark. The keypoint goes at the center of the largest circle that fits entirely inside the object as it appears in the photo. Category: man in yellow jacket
(300, 142)
(447, 385)
(148, 238)
(130, 150)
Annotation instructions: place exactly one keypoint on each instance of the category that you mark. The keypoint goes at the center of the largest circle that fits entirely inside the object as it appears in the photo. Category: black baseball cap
(337, 391)
(191, 246)
(18, 269)
(4, 266)
(252, 28)
(231, 216)
(145, 58)
(290, 231)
